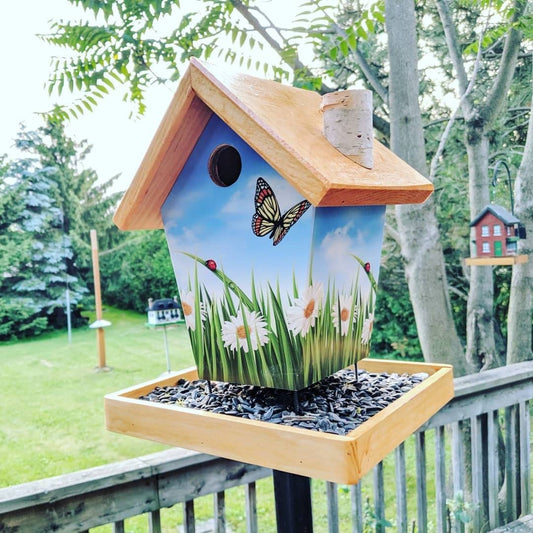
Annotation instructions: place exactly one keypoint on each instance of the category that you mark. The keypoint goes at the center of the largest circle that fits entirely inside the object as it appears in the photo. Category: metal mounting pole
(166, 347)
(293, 503)
(509, 180)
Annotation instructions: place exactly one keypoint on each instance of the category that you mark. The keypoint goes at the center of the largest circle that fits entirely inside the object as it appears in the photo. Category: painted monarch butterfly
(267, 219)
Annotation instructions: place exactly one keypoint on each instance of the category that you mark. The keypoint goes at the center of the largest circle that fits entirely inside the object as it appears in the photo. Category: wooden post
(100, 334)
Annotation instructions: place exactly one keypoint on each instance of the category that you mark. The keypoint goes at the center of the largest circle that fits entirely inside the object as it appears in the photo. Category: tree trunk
(418, 227)
(481, 350)
(520, 305)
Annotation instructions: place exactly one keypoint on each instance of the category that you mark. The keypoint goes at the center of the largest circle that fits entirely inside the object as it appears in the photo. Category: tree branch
(498, 93)
(452, 46)
(452, 41)
(393, 233)
(295, 64)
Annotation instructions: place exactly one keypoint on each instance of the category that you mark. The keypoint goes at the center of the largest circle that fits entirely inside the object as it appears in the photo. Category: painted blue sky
(214, 222)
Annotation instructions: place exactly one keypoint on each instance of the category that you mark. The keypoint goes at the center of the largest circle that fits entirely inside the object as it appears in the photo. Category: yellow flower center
(187, 309)
(309, 308)
(241, 332)
(344, 314)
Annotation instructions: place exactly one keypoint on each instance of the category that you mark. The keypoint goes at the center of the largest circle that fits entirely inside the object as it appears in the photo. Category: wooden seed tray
(341, 459)
(502, 260)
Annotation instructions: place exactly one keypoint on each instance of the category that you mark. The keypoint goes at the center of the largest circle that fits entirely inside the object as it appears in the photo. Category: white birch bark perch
(348, 124)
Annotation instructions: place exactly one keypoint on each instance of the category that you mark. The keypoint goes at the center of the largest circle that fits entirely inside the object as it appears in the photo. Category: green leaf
(343, 46)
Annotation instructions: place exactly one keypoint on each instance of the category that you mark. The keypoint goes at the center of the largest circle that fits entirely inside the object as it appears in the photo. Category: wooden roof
(283, 124)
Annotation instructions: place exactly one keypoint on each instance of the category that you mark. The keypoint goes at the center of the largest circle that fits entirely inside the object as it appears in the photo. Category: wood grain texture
(285, 448)
(166, 156)
(284, 125)
(504, 260)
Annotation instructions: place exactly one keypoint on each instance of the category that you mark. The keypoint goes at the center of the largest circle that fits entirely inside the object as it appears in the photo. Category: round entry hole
(224, 165)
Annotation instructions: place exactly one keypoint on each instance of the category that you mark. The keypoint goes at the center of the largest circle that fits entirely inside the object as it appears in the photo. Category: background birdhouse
(163, 311)
(275, 235)
(496, 230)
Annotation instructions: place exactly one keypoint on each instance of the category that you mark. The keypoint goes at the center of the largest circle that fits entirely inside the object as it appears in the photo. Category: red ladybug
(211, 265)
(367, 267)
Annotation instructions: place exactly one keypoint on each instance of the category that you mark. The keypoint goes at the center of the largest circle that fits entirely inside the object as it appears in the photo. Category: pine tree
(47, 208)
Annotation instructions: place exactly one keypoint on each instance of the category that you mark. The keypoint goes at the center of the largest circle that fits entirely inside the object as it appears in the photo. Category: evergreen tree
(47, 208)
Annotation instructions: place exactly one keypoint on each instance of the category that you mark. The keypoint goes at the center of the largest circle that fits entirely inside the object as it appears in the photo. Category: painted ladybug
(367, 267)
(211, 265)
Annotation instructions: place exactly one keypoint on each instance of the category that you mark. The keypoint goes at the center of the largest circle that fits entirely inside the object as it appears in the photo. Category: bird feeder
(497, 231)
(163, 311)
(275, 235)
(273, 204)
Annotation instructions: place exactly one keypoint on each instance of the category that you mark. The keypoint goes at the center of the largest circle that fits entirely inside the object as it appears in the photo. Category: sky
(119, 142)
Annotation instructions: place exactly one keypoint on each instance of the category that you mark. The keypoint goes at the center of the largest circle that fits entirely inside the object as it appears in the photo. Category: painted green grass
(270, 346)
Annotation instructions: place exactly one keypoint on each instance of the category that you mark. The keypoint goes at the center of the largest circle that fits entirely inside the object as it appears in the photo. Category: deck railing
(469, 470)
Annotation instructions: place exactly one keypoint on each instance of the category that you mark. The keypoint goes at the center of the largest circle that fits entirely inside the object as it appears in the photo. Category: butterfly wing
(267, 215)
(288, 220)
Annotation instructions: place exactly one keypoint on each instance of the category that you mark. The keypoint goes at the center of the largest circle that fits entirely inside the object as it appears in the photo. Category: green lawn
(51, 397)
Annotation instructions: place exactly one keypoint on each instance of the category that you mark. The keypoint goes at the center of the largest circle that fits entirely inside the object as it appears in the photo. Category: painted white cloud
(335, 256)
(335, 249)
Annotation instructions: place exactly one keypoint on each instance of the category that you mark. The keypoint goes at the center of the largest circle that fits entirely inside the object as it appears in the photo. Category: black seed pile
(337, 404)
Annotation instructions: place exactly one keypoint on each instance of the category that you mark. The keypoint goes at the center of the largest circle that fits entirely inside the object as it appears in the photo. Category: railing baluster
(510, 463)
(333, 507)
(379, 497)
(219, 505)
(401, 489)
(357, 508)
(421, 482)
(458, 470)
(492, 468)
(477, 472)
(440, 479)
(251, 508)
(154, 522)
(524, 424)
(188, 517)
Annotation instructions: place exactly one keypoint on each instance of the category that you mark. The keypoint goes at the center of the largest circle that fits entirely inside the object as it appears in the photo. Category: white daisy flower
(367, 329)
(341, 313)
(187, 305)
(302, 316)
(234, 331)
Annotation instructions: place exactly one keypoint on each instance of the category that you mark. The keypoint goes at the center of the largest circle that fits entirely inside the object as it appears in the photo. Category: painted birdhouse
(275, 234)
(497, 232)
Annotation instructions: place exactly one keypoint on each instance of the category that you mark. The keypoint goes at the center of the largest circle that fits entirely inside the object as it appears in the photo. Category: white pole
(69, 324)
(166, 347)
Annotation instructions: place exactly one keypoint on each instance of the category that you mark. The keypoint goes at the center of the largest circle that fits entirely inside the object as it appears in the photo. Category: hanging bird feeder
(497, 231)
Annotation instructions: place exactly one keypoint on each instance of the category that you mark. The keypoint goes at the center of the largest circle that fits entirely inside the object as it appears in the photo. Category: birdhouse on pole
(273, 203)
(497, 232)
